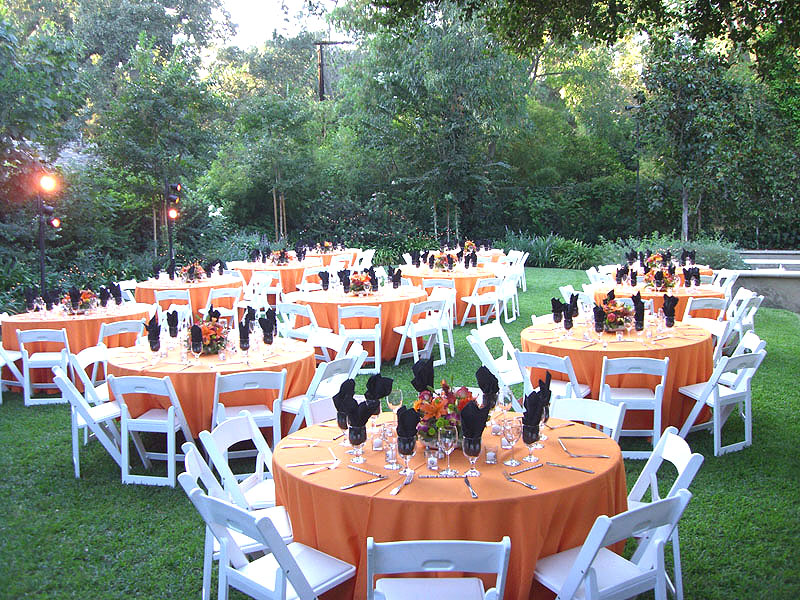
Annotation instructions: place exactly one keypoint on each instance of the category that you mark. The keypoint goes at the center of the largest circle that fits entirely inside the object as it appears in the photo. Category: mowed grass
(96, 538)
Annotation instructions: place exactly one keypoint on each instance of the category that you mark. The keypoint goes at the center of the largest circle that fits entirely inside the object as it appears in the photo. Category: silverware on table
(583, 437)
(336, 462)
(530, 486)
(310, 463)
(570, 467)
(469, 487)
(404, 483)
(368, 472)
(573, 455)
(570, 424)
(358, 483)
(522, 470)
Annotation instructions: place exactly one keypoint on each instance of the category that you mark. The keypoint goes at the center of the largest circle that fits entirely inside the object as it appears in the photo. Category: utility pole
(321, 65)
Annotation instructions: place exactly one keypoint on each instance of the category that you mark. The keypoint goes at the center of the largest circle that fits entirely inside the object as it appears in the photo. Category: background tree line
(438, 123)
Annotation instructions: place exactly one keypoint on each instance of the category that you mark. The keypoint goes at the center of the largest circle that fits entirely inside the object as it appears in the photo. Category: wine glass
(406, 447)
(512, 431)
(357, 435)
(395, 400)
(543, 421)
(472, 450)
(197, 350)
(389, 435)
(500, 409)
(448, 438)
(341, 422)
(530, 437)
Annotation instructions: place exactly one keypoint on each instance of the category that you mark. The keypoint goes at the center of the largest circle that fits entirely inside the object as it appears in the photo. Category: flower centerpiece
(469, 247)
(654, 261)
(214, 333)
(87, 299)
(440, 409)
(325, 247)
(279, 257)
(360, 283)
(666, 281)
(616, 315)
(193, 271)
(440, 261)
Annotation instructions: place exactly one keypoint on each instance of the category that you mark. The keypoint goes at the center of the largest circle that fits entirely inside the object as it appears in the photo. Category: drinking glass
(389, 435)
(395, 400)
(197, 350)
(530, 437)
(472, 450)
(545, 417)
(500, 409)
(406, 447)
(341, 422)
(358, 435)
(448, 438)
(512, 431)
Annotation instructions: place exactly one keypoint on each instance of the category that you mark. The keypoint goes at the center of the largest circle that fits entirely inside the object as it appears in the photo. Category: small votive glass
(432, 459)
(490, 454)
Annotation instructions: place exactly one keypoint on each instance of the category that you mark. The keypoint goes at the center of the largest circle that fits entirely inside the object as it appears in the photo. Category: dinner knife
(358, 483)
(368, 472)
(552, 464)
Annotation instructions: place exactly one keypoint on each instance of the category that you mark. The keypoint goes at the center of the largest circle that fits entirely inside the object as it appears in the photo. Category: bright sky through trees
(257, 19)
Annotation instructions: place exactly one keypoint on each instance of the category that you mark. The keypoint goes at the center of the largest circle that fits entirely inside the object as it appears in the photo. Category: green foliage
(551, 250)
(714, 251)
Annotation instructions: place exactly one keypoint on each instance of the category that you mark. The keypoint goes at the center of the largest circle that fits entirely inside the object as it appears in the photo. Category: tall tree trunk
(155, 233)
(435, 226)
(283, 215)
(684, 212)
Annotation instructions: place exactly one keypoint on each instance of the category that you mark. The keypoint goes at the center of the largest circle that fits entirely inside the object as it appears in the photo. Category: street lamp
(172, 193)
(48, 185)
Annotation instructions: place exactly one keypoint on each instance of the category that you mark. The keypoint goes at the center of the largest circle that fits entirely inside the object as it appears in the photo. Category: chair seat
(630, 395)
(447, 588)
(509, 370)
(293, 405)
(102, 392)
(611, 570)
(323, 572)
(262, 494)
(44, 360)
(153, 416)
(558, 388)
(420, 328)
(101, 412)
(696, 390)
(260, 412)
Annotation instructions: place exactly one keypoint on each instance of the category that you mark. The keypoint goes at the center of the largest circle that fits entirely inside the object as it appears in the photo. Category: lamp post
(47, 184)
(172, 193)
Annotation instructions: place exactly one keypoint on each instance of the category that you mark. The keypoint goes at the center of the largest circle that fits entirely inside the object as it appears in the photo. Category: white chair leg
(76, 459)
(677, 582)
(171, 449)
(400, 349)
(450, 341)
(126, 452)
(208, 552)
(414, 349)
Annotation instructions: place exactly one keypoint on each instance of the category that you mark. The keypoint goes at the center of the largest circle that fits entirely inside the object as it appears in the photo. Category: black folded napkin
(272, 319)
(599, 317)
(397, 278)
(423, 374)
(667, 258)
(244, 335)
(407, 421)
(116, 293)
(467, 261)
(284, 257)
(172, 323)
(638, 311)
(250, 315)
(696, 275)
(684, 255)
(557, 308)
(359, 416)
(378, 387)
(221, 266)
(646, 269)
(255, 255)
(156, 271)
(630, 257)
(691, 256)
(424, 256)
(431, 260)
(154, 333)
(610, 296)
(473, 420)
(633, 277)
(346, 285)
(687, 277)
(171, 269)
(74, 298)
(266, 330)
(474, 256)
(415, 258)
(566, 310)
(373, 278)
(343, 400)
(671, 269)
(389, 272)
(534, 404)
(49, 298)
(105, 296)
(344, 275)
(489, 386)
(209, 266)
(450, 262)
(658, 278)
(648, 253)
(670, 302)
(325, 279)
(30, 298)
(573, 305)
(266, 251)
(641, 258)
(460, 253)
(618, 276)
(197, 339)
(213, 314)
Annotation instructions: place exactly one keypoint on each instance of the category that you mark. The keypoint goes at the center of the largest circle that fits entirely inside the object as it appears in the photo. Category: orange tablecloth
(464, 279)
(556, 517)
(690, 361)
(195, 385)
(198, 290)
(82, 330)
(291, 274)
(495, 254)
(683, 294)
(704, 270)
(394, 309)
(327, 257)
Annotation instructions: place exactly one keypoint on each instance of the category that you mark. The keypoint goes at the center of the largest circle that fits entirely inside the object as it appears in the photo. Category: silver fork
(405, 482)
(530, 486)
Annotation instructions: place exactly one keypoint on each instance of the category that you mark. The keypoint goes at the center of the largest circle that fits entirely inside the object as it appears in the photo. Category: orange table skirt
(464, 281)
(394, 309)
(198, 290)
(291, 274)
(327, 257)
(556, 517)
(195, 385)
(690, 361)
(683, 294)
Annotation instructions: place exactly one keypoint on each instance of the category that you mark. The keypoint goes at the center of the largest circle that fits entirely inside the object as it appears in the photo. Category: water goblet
(357, 435)
(500, 409)
(512, 431)
(389, 435)
(395, 400)
(472, 450)
(530, 437)
(545, 418)
(406, 447)
(197, 350)
(448, 438)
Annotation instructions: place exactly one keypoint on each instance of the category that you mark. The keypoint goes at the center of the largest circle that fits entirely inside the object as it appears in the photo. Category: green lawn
(96, 538)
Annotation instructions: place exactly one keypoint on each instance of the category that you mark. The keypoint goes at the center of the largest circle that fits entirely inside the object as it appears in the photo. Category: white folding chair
(593, 571)
(725, 279)
(724, 398)
(371, 313)
(431, 315)
(251, 382)
(673, 449)
(609, 417)
(503, 365)
(232, 314)
(636, 398)
(128, 288)
(327, 380)
(256, 489)
(42, 360)
(182, 295)
(568, 387)
(747, 322)
(436, 556)
(519, 268)
(99, 419)
(198, 471)
(322, 337)
(748, 344)
(699, 303)
(364, 260)
(134, 326)
(407, 258)
(309, 282)
(444, 289)
(480, 299)
(8, 359)
(507, 296)
(294, 569)
(154, 420)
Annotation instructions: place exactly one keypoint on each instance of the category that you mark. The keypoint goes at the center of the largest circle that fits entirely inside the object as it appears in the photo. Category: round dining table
(198, 290)
(194, 380)
(689, 349)
(555, 517)
(682, 293)
(494, 255)
(291, 274)
(349, 253)
(704, 270)
(82, 329)
(394, 305)
(464, 280)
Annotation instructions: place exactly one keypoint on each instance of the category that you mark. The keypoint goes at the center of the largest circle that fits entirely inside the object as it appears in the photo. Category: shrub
(716, 252)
